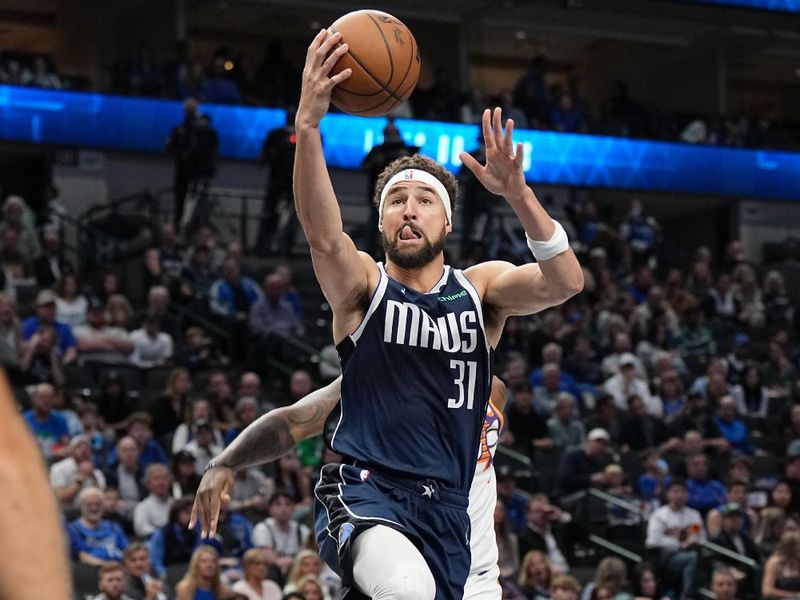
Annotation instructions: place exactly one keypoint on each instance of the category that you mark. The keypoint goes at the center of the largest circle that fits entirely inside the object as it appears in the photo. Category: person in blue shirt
(704, 493)
(233, 295)
(731, 427)
(46, 315)
(552, 353)
(93, 540)
(175, 542)
(49, 428)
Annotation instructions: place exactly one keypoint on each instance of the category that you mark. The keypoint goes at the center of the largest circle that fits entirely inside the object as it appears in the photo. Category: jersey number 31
(462, 368)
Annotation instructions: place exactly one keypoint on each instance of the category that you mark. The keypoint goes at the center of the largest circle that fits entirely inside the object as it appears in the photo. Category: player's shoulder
(482, 273)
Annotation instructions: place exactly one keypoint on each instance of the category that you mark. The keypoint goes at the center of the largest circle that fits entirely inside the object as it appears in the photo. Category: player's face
(413, 225)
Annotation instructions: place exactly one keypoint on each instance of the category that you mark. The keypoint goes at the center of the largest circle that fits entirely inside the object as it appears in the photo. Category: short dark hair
(677, 482)
(422, 163)
(278, 494)
(738, 483)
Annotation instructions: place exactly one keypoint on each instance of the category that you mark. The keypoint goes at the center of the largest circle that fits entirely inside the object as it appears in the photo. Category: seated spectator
(255, 585)
(174, 543)
(272, 313)
(565, 428)
(198, 275)
(114, 510)
(139, 427)
(542, 532)
(306, 563)
(93, 540)
(655, 478)
(782, 569)
(622, 346)
(515, 502)
(170, 252)
(158, 298)
(185, 479)
(63, 406)
(120, 312)
(754, 394)
(646, 584)
(605, 417)
(737, 494)
(111, 582)
(779, 310)
(151, 346)
(202, 445)
(198, 352)
(10, 333)
(51, 265)
(564, 587)
(695, 340)
(671, 395)
(552, 353)
(723, 585)
(534, 576)
(612, 577)
(46, 316)
(695, 417)
(200, 411)
(169, 410)
(731, 427)
(49, 429)
(141, 582)
(704, 493)
(656, 307)
(220, 395)
(42, 361)
(625, 384)
(310, 587)
(289, 475)
(233, 295)
(247, 411)
(733, 536)
(780, 374)
(18, 215)
(507, 543)
(202, 580)
(76, 472)
(771, 526)
(251, 492)
(546, 394)
(234, 537)
(153, 512)
(582, 468)
(582, 363)
(673, 532)
(71, 304)
(567, 117)
(114, 403)
(641, 430)
(128, 475)
(250, 385)
(781, 496)
(97, 341)
(279, 532)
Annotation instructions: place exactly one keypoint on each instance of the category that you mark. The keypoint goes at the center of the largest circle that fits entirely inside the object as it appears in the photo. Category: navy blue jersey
(416, 378)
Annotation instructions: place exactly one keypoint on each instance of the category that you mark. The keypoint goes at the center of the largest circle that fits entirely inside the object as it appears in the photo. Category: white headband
(421, 177)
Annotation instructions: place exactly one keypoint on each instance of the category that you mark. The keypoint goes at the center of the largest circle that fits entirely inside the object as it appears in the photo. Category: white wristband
(557, 244)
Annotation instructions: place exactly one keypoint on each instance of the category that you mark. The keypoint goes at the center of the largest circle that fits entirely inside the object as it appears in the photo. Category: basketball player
(279, 430)
(32, 547)
(415, 338)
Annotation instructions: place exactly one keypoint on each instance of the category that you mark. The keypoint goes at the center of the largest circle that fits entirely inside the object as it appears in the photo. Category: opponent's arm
(342, 273)
(264, 440)
(529, 288)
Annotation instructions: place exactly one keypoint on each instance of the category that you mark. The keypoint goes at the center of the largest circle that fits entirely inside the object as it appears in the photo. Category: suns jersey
(484, 572)
(416, 378)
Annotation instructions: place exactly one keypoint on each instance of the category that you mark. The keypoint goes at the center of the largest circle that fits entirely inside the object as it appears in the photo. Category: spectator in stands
(732, 428)
(695, 417)
(51, 266)
(202, 580)
(233, 295)
(654, 477)
(169, 410)
(99, 342)
(779, 374)
(583, 467)
(108, 285)
(252, 492)
(255, 585)
(174, 543)
(153, 512)
(247, 411)
(94, 540)
(198, 352)
(111, 582)
(645, 584)
(203, 445)
(626, 383)
(782, 569)
(140, 427)
(71, 304)
(127, 475)
(250, 386)
(279, 532)
(151, 346)
(49, 429)
(10, 333)
(723, 585)
(733, 536)
(507, 543)
(17, 214)
(289, 475)
(233, 538)
(673, 531)
(754, 394)
(185, 479)
(76, 472)
(566, 430)
(272, 314)
(199, 411)
(198, 275)
(641, 430)
(220, 395)
(515, 502)
(546, 395)
(605, 417)
(779, 309)
(527, 428)
(16, 270)
(564, 587)
(612, 576)
(141, 582)
(158, 298)
(46, 316)
(565, 116)
(41, 360)
(671, 395)
(542, 532)
(704, 493)
(748, 296)
(120, 312)
(737, 494)
(115, 404)
(535, 575)
(772, 524)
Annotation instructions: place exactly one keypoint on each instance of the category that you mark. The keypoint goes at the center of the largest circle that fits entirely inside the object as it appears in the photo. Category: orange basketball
(384, 58)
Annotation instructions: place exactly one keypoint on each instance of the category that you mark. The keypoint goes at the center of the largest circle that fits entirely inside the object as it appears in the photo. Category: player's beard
(412, 259)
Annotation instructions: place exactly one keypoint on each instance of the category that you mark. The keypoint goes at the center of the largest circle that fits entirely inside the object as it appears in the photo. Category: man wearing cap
(99, 342)
(625, 384)
(582, 468)
(733, 536)
(75, 472)
(46, 315)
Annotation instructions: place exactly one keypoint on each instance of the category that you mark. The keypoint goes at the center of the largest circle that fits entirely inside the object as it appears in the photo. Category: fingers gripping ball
(384, 57)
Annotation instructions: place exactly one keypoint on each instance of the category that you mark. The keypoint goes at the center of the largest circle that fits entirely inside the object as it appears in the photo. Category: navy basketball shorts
(351, 499)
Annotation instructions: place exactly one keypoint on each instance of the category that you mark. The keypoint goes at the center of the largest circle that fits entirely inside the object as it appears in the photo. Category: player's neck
(421, 279)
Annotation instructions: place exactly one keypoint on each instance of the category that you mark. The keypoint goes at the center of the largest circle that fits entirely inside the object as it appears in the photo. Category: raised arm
(507, 289)
(264, 440)
(344, 275)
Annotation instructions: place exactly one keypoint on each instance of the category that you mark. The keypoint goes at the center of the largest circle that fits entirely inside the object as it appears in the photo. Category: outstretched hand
(214, 489)
(502, 174)
(315, 97)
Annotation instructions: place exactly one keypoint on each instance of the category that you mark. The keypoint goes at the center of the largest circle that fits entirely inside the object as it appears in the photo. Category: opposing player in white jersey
(276, 432)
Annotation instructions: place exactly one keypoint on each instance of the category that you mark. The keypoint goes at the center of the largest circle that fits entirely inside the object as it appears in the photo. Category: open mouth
(408, 233)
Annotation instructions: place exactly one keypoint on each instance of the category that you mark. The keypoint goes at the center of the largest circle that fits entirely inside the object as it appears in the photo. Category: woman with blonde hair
(306, 563)
(535, 575)
(120, 312)
(255, 584)
(782, 569)
(311, 588)
(202, 580)
(611, 575)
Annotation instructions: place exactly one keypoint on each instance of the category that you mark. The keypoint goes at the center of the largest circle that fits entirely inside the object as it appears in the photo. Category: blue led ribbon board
(779, 5)
(136, 124)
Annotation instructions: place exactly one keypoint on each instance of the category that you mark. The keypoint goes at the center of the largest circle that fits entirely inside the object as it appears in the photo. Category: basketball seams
(385, 44)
